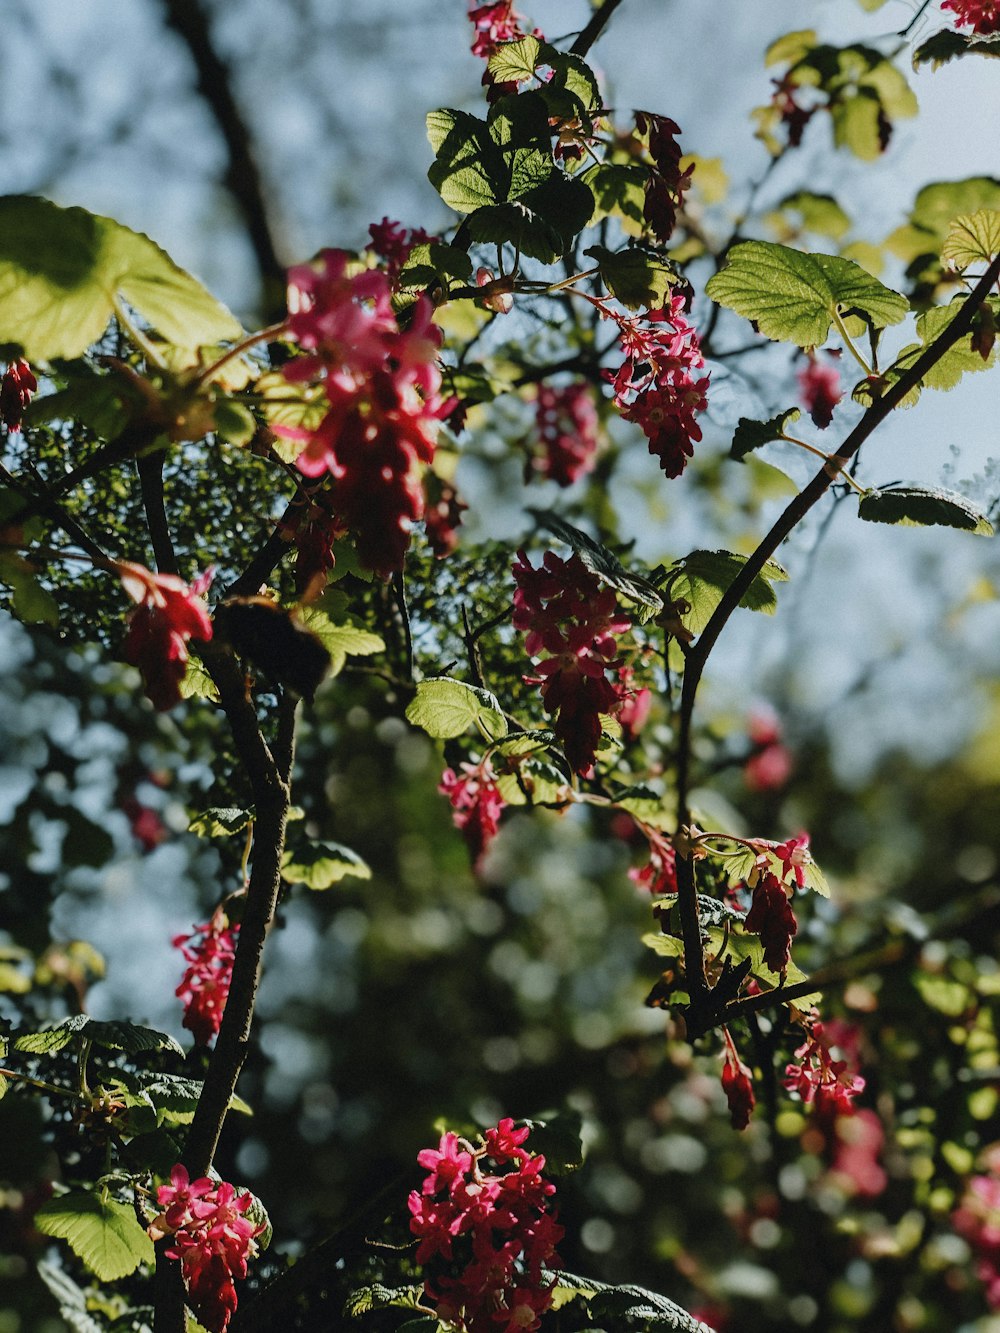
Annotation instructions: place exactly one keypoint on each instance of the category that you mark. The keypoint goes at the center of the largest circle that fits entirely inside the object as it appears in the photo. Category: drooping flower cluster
(487, 1232)
(656, 385)
(212, 1237)
(667, 183)
(737, 1084)
(443, 510)
(477, 804)
(819, 385)
(209, 951)
(982, 16)
(392, 243)
(147, 827)
(567, 428)
(820, 1079)
(977, 1220)
(16, 388)
(566, 614)
(168, 614)
(381, 385)
(659, 874)
(636, 706)
(771, 917)
(770, 765)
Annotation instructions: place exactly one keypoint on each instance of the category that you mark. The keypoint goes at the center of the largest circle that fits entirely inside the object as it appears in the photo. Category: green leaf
(793, 296)
(445, 708)
(738, 945)
(513, 62)
(63, 269)
(616, 1304)
(791, 48)
(619, 190)
(752, 435)
(174, 1093)
(197, 683)
(948, 44)
(559, 1139)
(220, 821)
(102, 1232)
(819, 213)
(541, 223)
(379, 1297)
(468, 171)
(114, 1035)
(705, 575)
(318, 865)
(667, 946)
(341, 641)
(923, 506)
(599, 560)
(30, 602)
(637, 278)
(973, 237)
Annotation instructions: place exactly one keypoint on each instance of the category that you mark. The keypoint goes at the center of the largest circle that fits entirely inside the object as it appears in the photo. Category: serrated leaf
(379, 1297)
(973, 237)
(648, 806)
(542, 222)
(220, 821)
(103, 1233)
(636, 278)
(815, 879)
(445, 708)
(513, 62)
(628, 1302)
(173, 1092)
(752, 435)
(341, 641)
(319, 865)
(667, 946)
(793, 296)
(737, 945)
(740, 866)
(62, 269)
(619, 189)
(820, 213)
(923, 506)
(948, 44)
(599, 560)
(114, 1035)
(468, 171)
(704, 577)
(197, 683)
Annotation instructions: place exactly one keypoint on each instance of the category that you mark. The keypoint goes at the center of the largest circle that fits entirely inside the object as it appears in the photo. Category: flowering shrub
(487, 1232)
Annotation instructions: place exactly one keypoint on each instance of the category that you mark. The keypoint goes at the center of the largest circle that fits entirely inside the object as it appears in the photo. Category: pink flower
(770, 765)
(772, 918)
(442, 515)
(210, 950)
(16, 388)
(486, 1235)
(567, 427)
(822, 1080)
(794, 856)
(821, 391)
(477, 804)
(147, 827)
(636, 705)
(982, 16)
(565, 611)
(392, 243)
(168, 614)
(213, 1239)
(857, 1146)
(737, 1083)
(977, 1220)
(659, 875)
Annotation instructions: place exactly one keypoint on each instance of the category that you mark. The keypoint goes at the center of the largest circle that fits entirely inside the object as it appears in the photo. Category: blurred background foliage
(427, 992)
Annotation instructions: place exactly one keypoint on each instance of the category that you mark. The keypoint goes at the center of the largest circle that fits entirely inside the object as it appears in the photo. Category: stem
(39, 1083)
(132, 330)
(263, 335)
(594, 28)
(832, 460)
(841, 328)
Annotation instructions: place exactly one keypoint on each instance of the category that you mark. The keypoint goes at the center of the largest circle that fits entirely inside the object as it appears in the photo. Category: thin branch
(598, 22)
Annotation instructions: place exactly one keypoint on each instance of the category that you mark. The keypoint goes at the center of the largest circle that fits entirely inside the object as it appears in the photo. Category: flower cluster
(168, 614)
(771, 917)
(636, 706)
(212, 1237)
(737, 1084)
(496, 23)
(565, 612)
(567, 428)
(820, 1079)
(209, 952)
(977, 1220)
(487, 1233)
(770, 763)
(659, 874)
(442, 515)
(16, 388)
(477, 804)
(821, 391)
(982, 16)
(655, 385)
(381, 384)
(392, 243)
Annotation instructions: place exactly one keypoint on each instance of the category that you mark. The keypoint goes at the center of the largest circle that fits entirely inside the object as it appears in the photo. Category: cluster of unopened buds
(167, 615)
(566, 614)
(209, 951)
(213, 1238)
(487, 1232)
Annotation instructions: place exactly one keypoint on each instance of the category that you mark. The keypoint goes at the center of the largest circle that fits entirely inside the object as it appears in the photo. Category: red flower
(982, 16)
(392, 243)
(567, 427)
(737, 1083)
(659, 875)
(168, 614)
(485, 1236)
(147, 827)
(636, 705)
(477, 804)
(822, 1080)
(564, 610)
(977, 1219)
(204, 987)
(821, 391)
(442, 515)
(772, 918)
(213, 1239)
(16, 388)
(667, 184)
(794, 856)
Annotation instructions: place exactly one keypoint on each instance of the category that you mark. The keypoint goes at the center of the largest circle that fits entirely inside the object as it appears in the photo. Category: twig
(598, 22)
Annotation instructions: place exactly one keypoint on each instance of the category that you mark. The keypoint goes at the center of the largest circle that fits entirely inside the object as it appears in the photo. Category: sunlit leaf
(923, 506)
(102, 1232)
(444, 707)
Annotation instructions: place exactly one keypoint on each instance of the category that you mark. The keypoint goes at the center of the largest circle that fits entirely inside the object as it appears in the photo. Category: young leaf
(923, 506)
(318, 865)
(513, 62)
(752, 435)
(558, 1139)
(220, 822)
(103, 1233)
(973, 238)
(378, 1297)
(792, 296)
(444, 708)
(636, 278)
(62, 269)
(341, 641)
(705, 575)
(619, 189)
(197, 683)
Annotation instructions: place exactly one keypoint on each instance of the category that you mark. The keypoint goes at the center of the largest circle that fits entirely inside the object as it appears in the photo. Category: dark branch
(594, 28)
